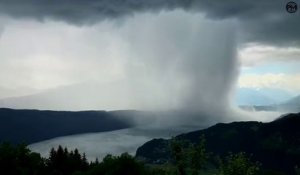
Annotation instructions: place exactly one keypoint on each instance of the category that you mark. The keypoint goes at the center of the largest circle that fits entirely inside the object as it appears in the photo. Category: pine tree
(198, 156)
(84, 162)
(177, 152)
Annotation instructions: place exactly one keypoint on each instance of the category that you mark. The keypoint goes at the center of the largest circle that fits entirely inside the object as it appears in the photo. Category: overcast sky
(158, 54)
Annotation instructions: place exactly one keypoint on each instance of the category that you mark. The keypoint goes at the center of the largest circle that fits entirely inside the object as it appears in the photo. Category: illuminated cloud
(255, 54)
(284, 81)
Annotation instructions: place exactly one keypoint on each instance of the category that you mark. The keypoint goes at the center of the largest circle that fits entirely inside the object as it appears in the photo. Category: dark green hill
(276, 144)
(29, 126)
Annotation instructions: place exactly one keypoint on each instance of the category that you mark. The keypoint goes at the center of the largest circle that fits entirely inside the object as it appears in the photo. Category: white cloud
(284, 81)
(254, 54)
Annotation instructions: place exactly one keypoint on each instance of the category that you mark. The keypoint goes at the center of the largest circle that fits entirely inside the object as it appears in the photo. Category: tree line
(187, 159)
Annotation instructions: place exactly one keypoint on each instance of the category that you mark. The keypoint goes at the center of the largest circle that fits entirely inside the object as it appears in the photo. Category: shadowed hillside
(275, 144)
(31, 126)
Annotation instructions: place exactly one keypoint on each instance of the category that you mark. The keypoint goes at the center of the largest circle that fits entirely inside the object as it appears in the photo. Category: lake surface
(97, 145)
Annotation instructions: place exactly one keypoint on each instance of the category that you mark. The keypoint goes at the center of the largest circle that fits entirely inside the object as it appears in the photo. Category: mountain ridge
(274, 144)
(29, 126)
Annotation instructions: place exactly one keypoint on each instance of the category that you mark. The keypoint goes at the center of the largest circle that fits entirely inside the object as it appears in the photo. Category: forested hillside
(29, 126)
(275, 144)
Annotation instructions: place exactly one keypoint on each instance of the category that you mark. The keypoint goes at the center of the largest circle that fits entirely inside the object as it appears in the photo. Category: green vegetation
(239, 164)
(187, 159)
(19, 160)
(275, 145)
(192, 159)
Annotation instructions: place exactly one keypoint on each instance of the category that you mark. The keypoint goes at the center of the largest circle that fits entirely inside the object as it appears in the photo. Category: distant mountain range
(83, 96)
(292, 105)
(29, 126)
(96, 96)
(275, 144)
(8, 92)
(261, 97)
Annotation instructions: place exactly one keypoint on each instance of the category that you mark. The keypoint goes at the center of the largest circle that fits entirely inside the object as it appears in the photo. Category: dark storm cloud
(263, 21)
(78, 11)
(83, 12)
